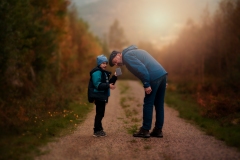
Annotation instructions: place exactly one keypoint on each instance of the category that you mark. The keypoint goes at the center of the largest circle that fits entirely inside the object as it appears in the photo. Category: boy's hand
(115, 74)
(112, 86)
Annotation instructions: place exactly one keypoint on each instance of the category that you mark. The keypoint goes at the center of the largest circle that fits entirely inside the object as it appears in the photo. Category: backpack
(90, 90)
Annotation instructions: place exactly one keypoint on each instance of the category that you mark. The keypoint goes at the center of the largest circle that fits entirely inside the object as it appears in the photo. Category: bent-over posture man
(153, 77)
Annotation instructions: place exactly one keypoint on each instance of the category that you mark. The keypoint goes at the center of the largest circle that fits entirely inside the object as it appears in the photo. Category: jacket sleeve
(136, 67)
(113, 79)
(96, 78)
(103, 86)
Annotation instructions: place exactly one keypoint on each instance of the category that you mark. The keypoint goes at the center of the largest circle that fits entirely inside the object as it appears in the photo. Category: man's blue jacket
(142, 65)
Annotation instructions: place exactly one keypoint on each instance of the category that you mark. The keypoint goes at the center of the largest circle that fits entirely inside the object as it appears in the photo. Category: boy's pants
(156, 98)
(100, 110)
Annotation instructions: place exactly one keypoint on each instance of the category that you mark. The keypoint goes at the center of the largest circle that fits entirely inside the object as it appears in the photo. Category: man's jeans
(156, 98)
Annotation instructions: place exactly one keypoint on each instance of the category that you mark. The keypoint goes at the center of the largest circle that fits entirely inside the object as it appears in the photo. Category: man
(153, 77)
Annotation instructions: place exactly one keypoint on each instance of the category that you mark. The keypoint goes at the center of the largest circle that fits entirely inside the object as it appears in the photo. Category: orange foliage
(22, 116)
(78, 48)
(56, 62)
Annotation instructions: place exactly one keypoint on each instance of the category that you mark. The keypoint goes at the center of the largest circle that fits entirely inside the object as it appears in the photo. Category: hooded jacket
(142, 65)
(98, 87)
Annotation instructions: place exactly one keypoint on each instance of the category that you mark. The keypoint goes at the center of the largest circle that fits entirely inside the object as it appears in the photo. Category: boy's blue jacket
(98, 87)
(142, 65)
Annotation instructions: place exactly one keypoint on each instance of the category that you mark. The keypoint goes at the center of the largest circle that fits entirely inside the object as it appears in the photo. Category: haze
(155, 21)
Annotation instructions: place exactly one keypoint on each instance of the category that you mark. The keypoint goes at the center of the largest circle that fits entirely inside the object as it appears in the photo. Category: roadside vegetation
(27, 142)
(221, 128)
(44, 52)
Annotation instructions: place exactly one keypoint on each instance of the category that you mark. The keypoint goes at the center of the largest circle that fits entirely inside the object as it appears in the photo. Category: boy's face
(103, 65)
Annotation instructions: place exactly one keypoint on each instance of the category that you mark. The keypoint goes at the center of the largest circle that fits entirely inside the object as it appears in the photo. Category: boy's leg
(100, 110)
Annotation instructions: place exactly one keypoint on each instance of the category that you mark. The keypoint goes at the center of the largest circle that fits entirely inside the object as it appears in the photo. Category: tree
(117, 39)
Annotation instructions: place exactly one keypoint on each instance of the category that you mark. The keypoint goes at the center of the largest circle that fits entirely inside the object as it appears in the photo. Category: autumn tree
(44, 48)
(204, 60)
(116, 36)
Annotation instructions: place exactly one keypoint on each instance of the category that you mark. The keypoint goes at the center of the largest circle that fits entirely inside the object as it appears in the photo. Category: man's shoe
(99, 134)
(142, 133)
(156, 133)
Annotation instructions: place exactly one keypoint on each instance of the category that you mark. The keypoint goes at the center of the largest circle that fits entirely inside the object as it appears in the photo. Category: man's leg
(159, 103)
(148, 106)
(147, 112)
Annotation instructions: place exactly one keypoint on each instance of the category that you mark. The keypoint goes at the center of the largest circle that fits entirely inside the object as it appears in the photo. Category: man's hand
(112, 86)
(148, 90)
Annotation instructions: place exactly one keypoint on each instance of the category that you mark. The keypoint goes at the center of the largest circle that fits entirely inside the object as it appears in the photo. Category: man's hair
(112, 55)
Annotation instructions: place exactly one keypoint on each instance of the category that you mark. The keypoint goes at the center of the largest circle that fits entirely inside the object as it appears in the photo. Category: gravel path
(181, 140)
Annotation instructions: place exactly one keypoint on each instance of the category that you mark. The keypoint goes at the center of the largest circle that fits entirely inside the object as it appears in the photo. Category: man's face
(117, 60)
(103, 65)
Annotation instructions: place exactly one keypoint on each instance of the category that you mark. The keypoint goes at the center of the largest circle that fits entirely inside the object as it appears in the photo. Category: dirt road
(181, 140)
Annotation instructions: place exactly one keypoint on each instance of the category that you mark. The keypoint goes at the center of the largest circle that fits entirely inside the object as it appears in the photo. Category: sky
(157, 21)
(83, 2)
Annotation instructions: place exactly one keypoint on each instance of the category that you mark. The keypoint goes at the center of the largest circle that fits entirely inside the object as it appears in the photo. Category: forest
(205, 62)
(46, 52)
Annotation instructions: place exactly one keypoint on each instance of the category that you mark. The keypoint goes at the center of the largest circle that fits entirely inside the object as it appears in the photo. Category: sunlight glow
(156, 26)
(155, 20)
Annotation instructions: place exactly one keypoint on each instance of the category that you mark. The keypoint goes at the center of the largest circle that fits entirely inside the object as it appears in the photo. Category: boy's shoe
(156, 133)
(142, 133)
(103, 133)
(99, 134)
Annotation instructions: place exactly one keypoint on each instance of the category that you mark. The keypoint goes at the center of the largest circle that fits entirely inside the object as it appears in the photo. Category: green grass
(128, 113)
(126, 98)
(147, 147)
(134, 119)
(124, 88)
(189, 110)
(132, 129)
(133, 141)
(26, 144)
(123, 103)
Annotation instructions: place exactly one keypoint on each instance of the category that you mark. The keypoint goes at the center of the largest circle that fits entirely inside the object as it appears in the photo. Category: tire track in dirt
(123, 113)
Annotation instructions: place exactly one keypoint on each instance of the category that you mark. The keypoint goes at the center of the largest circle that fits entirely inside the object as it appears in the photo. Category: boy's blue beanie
(101, 59)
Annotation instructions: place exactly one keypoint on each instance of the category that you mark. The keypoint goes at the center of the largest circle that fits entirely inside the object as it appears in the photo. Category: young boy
(99, 91)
